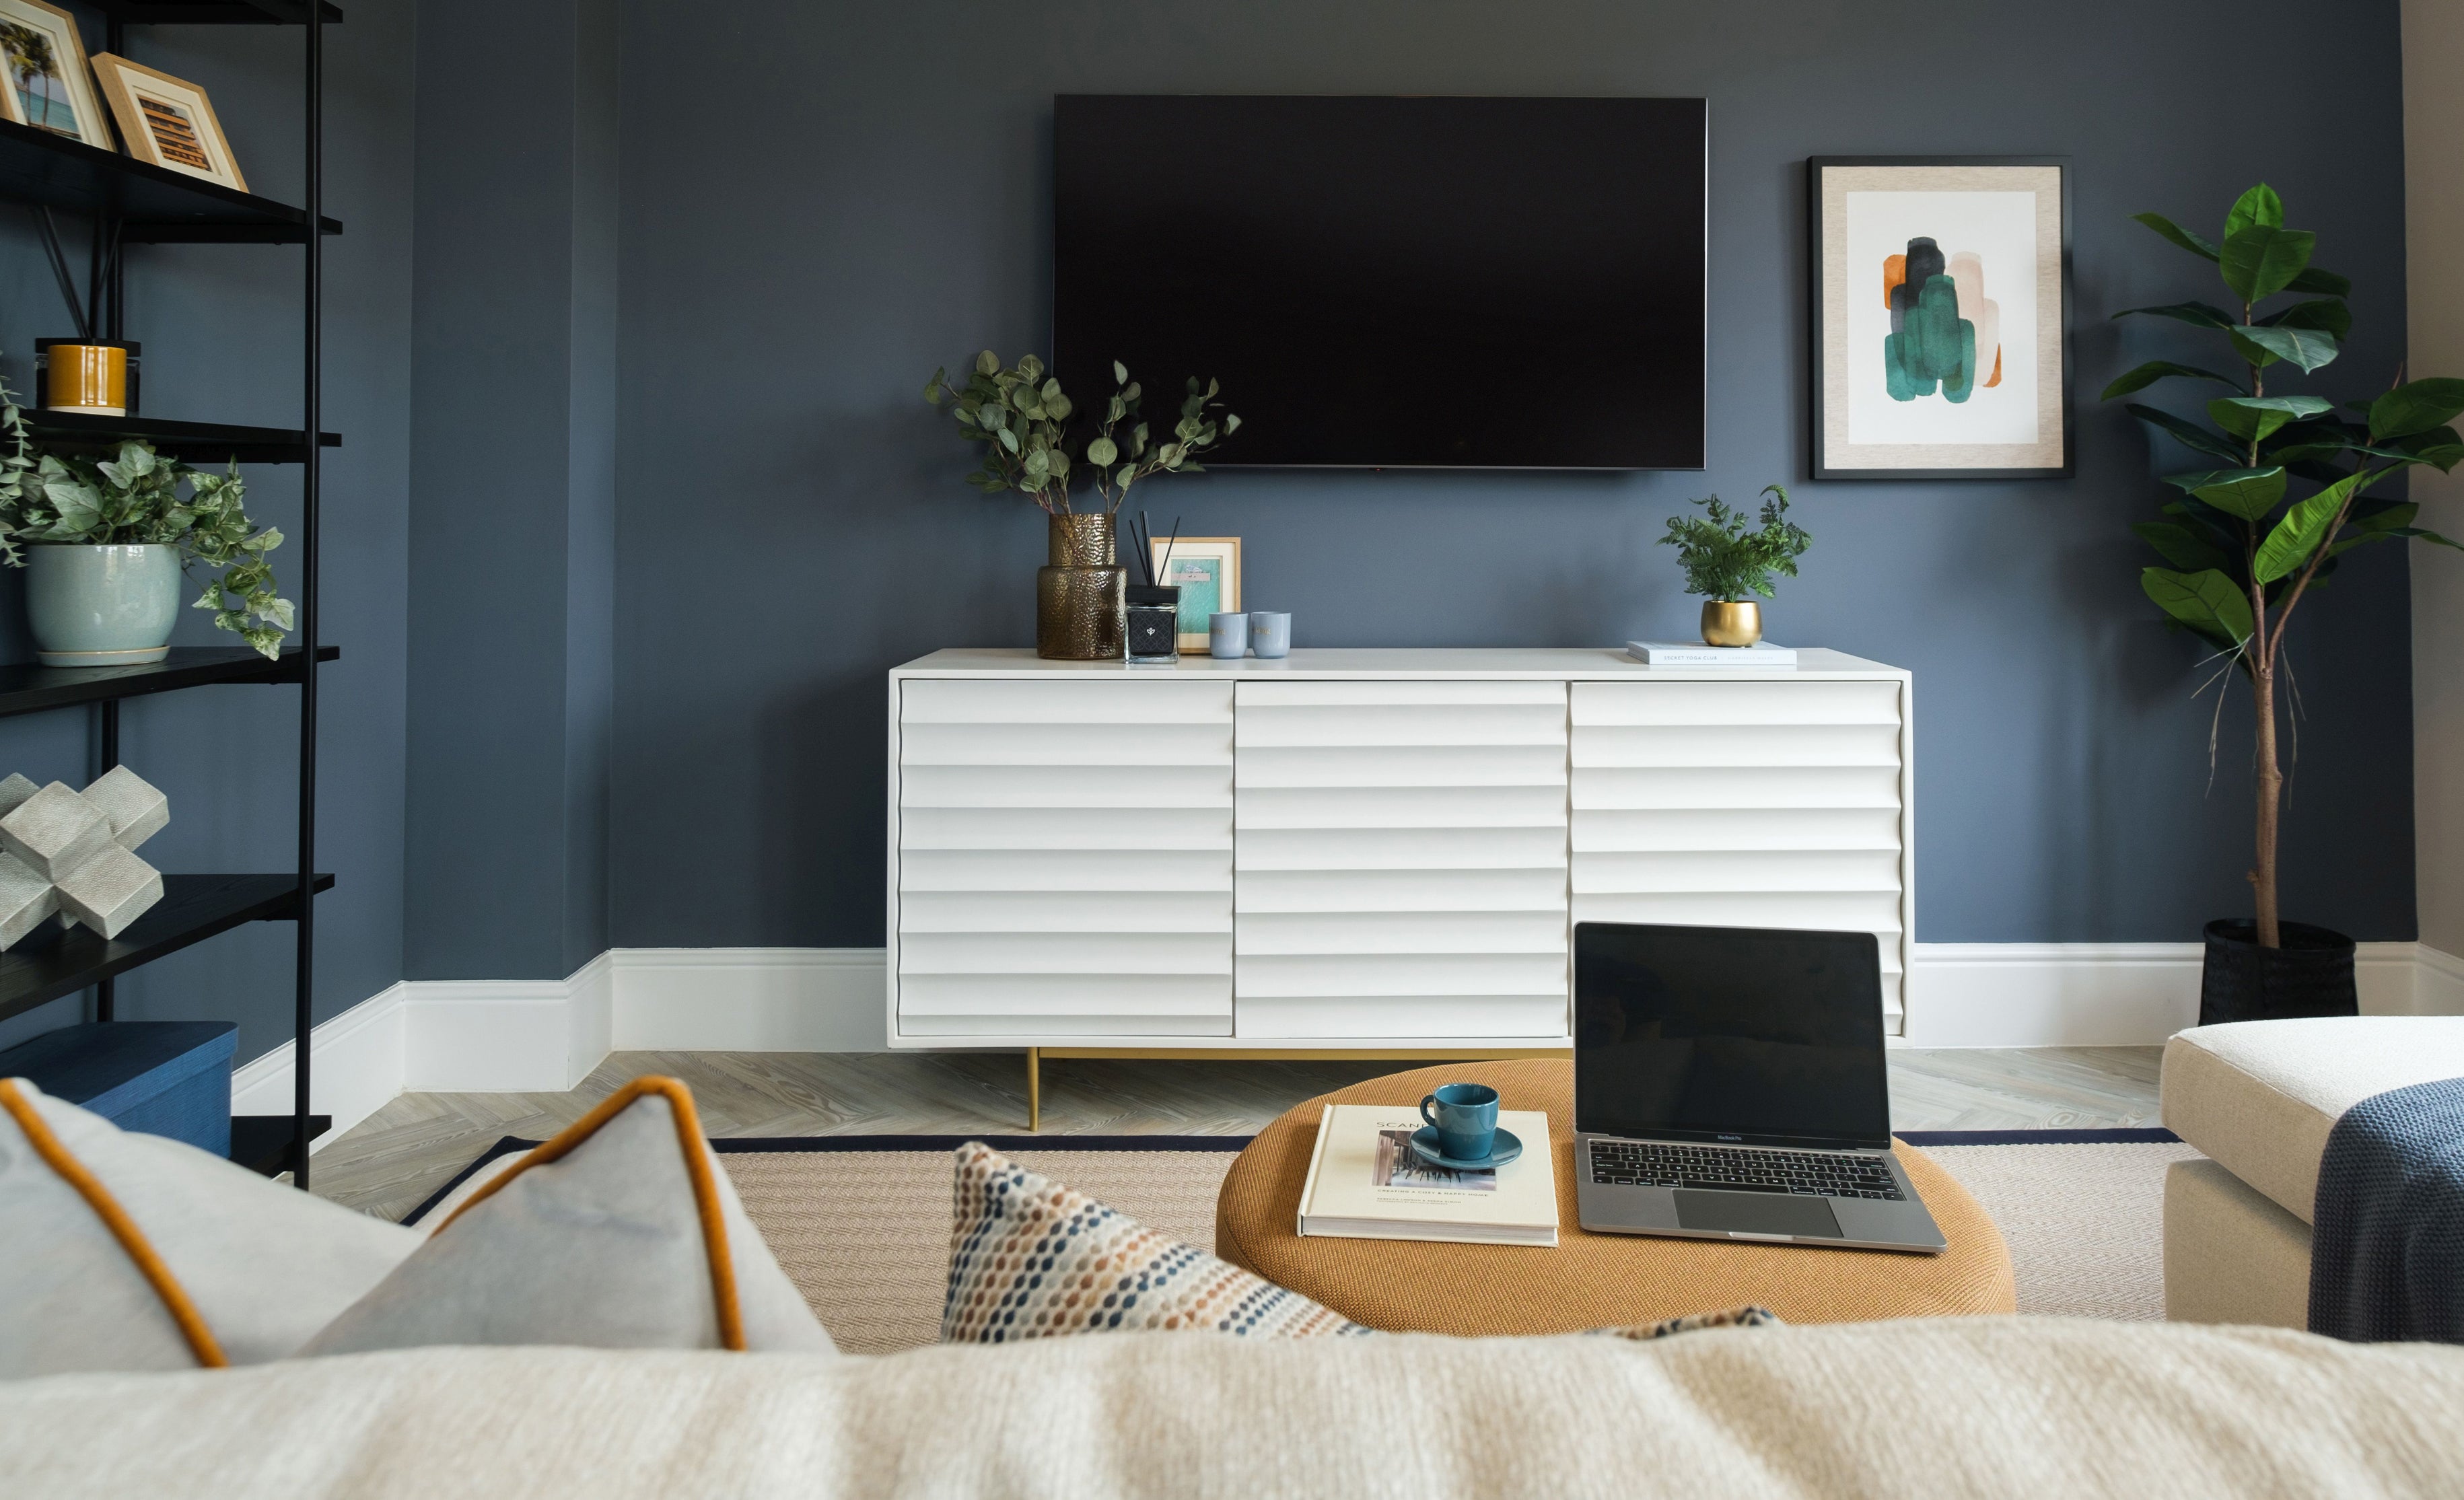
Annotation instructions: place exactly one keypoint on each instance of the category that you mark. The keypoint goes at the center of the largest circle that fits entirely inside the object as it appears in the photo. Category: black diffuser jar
(2311, 975)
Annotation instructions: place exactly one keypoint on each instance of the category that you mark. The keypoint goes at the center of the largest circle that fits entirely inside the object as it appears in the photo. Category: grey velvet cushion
(264, 1265)
(603, 1237)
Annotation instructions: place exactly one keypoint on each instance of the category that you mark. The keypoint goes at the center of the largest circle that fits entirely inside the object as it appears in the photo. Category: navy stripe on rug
(506, 1145)
(2036, 1137)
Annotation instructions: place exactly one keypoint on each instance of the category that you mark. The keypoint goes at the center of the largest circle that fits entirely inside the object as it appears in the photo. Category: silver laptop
(1729, 1084)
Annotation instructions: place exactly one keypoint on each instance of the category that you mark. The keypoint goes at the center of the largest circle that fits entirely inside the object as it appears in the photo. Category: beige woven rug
(865, 1234)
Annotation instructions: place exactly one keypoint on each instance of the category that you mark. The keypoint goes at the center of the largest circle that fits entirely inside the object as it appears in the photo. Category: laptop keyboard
(1819, 1174)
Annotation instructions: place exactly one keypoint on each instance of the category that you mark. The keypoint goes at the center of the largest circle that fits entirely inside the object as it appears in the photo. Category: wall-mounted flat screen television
(1476, 283)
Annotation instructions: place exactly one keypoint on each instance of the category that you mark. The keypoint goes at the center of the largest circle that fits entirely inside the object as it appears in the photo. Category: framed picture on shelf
(1941, 317)
(50, 86)
(165, 121)
(1207, 572)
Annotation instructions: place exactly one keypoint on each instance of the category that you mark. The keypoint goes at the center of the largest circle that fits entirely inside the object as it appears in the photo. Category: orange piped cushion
(125, 1252)
(623, 1232)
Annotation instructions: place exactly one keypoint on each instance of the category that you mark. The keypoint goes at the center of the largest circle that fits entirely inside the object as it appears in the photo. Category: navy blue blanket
(2387, 1247)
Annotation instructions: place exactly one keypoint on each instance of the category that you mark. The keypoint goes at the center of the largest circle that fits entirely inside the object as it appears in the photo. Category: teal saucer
(1503, 1150)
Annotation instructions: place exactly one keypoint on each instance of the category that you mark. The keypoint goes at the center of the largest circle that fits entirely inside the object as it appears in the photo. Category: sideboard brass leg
(1034, 1089)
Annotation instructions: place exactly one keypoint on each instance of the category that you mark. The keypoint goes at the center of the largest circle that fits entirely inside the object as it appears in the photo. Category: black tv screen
(1509, 283)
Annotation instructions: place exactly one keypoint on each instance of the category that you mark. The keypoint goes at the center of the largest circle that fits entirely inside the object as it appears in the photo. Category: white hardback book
(1694, 653)
(1365, 1182)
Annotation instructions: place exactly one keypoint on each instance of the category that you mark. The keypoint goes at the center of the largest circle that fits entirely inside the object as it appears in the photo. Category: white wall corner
(358, 1066)
(751, 1000)
(488, 1036)
(591, 1017)
(2019, 994)
(2438, 982)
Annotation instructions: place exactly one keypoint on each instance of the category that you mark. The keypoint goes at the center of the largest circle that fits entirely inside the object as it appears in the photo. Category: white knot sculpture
(70, 853)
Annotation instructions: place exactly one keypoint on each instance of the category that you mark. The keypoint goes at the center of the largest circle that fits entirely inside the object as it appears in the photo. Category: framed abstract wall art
(1941, 314)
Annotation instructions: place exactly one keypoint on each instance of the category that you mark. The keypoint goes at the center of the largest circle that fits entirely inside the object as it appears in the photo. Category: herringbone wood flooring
(390, 1161)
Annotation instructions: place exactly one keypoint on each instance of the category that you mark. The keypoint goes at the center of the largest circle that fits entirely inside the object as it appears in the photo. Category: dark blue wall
(512, 535)
(222, 336)
(822, 202)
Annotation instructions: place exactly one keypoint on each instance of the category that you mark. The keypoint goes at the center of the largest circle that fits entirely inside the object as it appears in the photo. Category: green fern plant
(1723, 560)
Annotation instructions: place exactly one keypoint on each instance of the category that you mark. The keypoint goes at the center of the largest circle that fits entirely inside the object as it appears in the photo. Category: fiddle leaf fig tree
(1020, 416)
(2241, 546)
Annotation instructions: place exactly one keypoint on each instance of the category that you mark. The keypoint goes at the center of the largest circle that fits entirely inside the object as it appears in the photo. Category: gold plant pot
(1078, 593)
(1731, 623)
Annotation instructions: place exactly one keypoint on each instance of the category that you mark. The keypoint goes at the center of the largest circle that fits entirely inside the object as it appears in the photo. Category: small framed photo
(1207, 572)
(165, 121)
(1941, 317)
(49, 85)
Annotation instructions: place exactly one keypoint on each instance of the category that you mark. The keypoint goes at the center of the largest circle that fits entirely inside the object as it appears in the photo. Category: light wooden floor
(396, 1157)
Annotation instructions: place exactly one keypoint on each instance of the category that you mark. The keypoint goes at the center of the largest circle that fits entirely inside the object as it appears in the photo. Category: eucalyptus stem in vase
(1022, 420)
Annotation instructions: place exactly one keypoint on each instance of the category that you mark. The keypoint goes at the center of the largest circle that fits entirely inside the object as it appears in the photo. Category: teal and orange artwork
(1941, 325)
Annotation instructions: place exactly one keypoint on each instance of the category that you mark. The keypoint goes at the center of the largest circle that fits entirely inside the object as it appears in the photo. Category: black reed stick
(68, 283)
(1146, 547)
(1169, 544)
(106, 272)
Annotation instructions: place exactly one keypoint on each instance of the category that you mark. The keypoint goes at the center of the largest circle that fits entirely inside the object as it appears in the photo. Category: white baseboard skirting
(545, 1036)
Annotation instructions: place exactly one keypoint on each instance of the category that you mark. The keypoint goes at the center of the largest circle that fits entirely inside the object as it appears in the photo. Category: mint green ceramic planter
(101, 606)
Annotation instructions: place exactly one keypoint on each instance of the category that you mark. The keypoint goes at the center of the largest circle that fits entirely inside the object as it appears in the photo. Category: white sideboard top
(1541, 663)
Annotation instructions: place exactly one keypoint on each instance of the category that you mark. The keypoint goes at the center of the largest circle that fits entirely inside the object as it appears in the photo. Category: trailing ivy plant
(1021, 417)
(134, 498)
(2243, 548)
(1726, 562)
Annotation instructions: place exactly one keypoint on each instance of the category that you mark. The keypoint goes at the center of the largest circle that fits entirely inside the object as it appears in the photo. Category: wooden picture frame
(1207, 570)
(167, 122)
(50, 85)
(1994, 233)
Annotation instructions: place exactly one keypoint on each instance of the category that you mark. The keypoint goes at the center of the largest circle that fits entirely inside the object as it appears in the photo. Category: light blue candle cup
(1270, 632)
(1227, 637)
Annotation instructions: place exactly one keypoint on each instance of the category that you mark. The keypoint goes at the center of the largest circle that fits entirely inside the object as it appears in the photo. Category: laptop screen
(1729, 1033)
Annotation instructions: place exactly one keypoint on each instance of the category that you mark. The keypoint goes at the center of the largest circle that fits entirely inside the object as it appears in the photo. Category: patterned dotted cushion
(1030, 1258)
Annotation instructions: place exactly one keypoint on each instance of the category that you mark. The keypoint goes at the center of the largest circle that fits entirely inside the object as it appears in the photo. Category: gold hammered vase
(1731, 622)
(1078, 592)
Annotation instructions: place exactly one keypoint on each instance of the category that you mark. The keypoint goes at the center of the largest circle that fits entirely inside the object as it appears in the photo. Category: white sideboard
(1363, 849)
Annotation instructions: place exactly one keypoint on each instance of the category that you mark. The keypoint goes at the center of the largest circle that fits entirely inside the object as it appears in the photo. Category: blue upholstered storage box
(163, 1077)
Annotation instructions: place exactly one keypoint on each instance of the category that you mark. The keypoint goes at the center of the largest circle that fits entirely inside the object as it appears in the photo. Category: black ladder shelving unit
(142, 204)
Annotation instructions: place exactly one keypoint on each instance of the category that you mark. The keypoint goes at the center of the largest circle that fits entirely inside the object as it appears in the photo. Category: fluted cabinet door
(1401, 870)
(1731, 803)
(1064, 858)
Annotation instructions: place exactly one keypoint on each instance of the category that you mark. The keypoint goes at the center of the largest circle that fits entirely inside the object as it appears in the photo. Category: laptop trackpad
(1755, 1213)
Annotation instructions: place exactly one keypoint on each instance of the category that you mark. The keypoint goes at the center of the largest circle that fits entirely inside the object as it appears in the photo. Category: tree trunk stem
(2271, 788)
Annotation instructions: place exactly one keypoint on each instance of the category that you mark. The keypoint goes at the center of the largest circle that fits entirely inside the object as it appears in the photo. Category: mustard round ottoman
(1587, 1280)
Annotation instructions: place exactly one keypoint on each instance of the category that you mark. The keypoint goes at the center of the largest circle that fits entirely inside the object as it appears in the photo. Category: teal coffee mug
(1464, 1117)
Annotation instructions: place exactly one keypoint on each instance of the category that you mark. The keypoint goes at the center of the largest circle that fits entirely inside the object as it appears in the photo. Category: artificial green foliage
(2242, 546)
(1016, 416)
(1020, 418)
(134, 498)
(1726, 562)
(1119, 458)
(2264, 542)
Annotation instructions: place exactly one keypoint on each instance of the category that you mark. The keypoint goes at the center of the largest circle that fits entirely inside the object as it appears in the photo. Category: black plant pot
(2311, 975)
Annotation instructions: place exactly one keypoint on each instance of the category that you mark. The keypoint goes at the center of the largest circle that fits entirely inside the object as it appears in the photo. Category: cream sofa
(1984, 1406)
(2257, 1099)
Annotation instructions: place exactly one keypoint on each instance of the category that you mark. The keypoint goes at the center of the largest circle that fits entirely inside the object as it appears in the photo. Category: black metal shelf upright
(140, 204)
